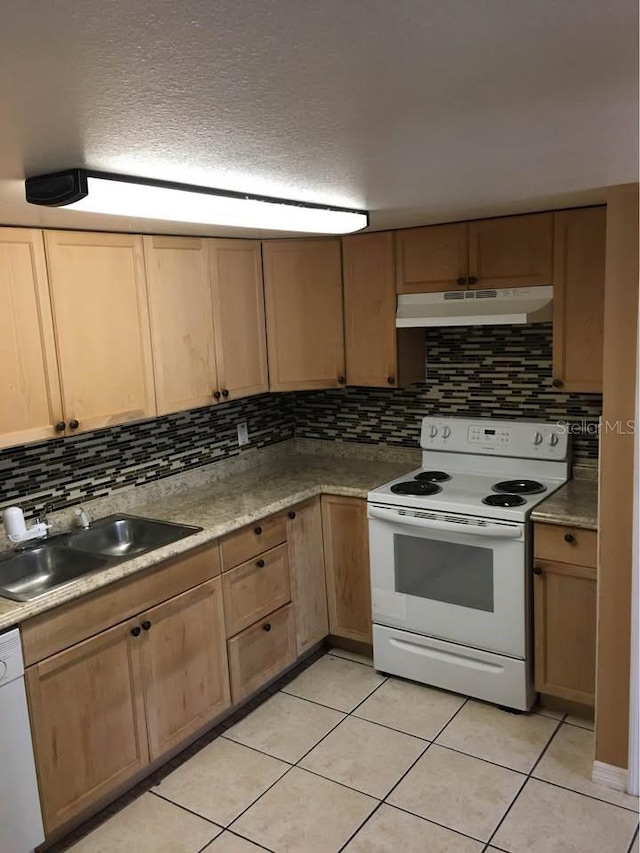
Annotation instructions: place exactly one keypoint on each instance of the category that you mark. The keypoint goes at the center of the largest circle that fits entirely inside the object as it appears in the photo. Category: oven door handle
(497, 531)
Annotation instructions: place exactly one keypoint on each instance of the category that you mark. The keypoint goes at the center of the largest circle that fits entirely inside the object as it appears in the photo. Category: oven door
(450, 576)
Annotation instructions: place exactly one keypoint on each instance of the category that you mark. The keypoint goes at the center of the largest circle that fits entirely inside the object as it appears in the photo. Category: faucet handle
(83, 518)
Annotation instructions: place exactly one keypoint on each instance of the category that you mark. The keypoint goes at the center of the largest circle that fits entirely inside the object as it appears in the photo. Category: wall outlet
(243, 433)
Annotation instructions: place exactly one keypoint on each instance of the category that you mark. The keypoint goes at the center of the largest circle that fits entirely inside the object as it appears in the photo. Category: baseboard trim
(610, 775)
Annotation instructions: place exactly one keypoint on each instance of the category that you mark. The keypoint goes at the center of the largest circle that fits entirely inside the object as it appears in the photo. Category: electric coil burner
(413, 487)
(520, 487)
(433, 476)
(451, 556)
(504, 500)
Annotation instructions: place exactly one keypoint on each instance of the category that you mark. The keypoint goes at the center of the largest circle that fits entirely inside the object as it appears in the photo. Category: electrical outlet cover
(243, 433)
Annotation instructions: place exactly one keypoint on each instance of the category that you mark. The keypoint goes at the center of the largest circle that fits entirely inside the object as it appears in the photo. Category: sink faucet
(84, 519)
(17, 531)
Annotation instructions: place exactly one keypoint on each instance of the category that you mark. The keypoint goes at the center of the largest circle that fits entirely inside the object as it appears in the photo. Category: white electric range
(450, 549)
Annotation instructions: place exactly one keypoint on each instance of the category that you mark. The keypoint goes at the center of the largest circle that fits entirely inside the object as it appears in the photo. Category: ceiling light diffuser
(121, 195)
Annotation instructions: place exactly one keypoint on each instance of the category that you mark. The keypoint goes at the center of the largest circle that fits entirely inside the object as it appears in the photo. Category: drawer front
(259, 653)
(78, 620)
(241, 546)
(255, 589)
(563, 544)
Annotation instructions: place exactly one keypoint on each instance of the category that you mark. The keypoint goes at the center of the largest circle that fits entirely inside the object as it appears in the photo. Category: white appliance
(501, 306)
(20, 817)
(450, 553)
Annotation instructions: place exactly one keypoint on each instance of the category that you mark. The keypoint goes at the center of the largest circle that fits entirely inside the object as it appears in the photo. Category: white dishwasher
(20, 817)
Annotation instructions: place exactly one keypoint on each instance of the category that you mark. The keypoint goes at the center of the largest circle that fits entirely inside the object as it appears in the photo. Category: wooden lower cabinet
(346, 543)
(88, 722)
(306, 558)
(565, 602)
(184, 662)
(256, 588)
(262, 651)
(104, 708)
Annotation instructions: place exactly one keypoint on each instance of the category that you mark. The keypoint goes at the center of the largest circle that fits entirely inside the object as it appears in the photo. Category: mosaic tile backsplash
(477, 371)
(499, 371)
(65, 471)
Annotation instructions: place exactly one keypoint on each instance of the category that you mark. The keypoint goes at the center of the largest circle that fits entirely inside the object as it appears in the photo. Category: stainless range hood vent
(504, 306)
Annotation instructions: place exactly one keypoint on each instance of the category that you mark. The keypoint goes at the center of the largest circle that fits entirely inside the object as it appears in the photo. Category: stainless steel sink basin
(25, 575)
(31, 573)
(127, 536)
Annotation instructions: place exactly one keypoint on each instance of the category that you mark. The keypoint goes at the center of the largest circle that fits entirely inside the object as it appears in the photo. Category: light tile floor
(343, 758)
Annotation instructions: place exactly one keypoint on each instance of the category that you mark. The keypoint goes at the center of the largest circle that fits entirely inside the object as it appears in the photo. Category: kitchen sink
(31, 573)
(127, 536)
(52, 563)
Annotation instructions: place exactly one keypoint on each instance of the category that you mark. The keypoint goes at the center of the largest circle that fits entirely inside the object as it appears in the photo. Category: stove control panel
(522, 439)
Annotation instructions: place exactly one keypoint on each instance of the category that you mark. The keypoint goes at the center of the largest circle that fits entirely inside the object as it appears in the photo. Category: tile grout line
(526, 781)
(634, 839)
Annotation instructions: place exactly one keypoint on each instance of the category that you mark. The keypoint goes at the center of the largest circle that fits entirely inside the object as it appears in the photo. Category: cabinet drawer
(564, 544)
(78, 620)
(241, 546)
(256, 588)
(262, 651)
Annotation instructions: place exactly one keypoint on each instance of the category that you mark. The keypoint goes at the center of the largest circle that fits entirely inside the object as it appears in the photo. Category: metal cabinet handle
(558, 383)
(225, 393)
(291, 515)
(60, 426)
(472, 279)
(569, 537)
(260, 564)
(537, 570)
(266, 627)
(74, 424)
(461, 280)
(146, 625)
(216, 395)
(135, 632)
(391, 380)
(257, 530)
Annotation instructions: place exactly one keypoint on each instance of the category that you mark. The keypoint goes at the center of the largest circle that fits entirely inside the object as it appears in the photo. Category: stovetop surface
(464, 493)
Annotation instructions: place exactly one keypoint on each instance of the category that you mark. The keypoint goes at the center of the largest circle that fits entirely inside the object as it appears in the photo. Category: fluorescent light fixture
(121, 195)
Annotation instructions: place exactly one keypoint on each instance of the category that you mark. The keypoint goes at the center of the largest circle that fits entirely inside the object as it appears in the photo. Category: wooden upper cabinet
(513, 251)
(184, 661)
(303, 296)
(87, 717)
(101, 318)
(180, 306)
(238, 317)
(578, 299)
(346, 553)
(30, 404)
(432, 259)
(377, 354)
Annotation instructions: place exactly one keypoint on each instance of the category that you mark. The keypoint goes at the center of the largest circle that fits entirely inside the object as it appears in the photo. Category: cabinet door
(306, 558)
(346, 543)
(578, 299)
(181, 310)
(184, 656)
(101, 320)
(87, 719)
(514, 251)
(432, 259)
(255, 589)
(565, 631)
(303, 296)
(238, 317)
(30, 404)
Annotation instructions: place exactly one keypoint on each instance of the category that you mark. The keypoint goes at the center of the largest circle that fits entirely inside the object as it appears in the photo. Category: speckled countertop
(576, 503)
(220, 499)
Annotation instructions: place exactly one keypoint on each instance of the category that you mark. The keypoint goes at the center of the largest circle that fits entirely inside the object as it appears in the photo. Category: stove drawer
(252, 540)
(563, 544)
(255, 589)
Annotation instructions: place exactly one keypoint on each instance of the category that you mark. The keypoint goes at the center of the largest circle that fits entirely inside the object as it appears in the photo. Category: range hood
(504, 306)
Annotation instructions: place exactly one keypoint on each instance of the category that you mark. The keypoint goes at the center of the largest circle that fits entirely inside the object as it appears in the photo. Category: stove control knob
(446, 432)
(537, 438)
(553, 439)
(433, 431)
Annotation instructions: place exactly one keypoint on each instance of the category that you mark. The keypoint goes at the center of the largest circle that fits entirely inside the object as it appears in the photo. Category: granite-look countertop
(221, 504)
(576, 503)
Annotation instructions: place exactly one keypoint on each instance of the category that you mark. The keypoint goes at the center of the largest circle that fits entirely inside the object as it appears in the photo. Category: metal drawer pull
(260, 564)
(267, 627)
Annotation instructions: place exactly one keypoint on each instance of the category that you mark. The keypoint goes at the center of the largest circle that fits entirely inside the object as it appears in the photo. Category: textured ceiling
(419, 110)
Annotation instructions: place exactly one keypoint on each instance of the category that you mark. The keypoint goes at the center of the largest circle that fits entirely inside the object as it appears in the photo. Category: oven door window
(444, 571)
